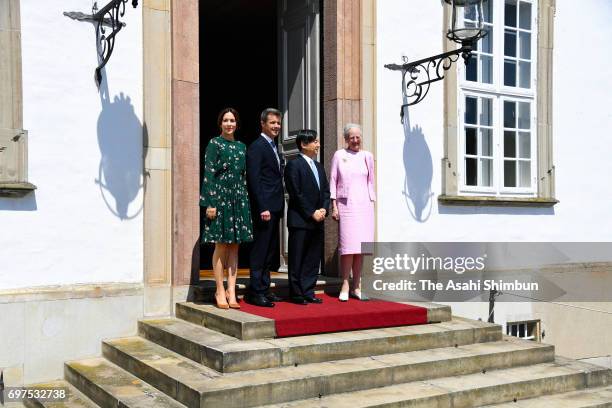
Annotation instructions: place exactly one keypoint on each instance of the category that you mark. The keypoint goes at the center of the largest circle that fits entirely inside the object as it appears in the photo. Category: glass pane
(486, 112)
(510, 13)
(525, 16)
(525, 174)
(524, 121)
(525, 145)
(509, 144)
(486, 172)
(514, 330)
(509, 73)
(470, 110)
(525, 74)
(471, 144)
(471, 172)
(509, 114)
(471, 70)
(486, 142)
(525, 45)
(486, 44)
(486, 67)
(521, 330)
(510, 43)
(469, 13)
(487, 9)
(509, 173)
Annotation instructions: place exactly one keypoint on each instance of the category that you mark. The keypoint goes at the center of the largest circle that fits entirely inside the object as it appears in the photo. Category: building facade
(99, 187)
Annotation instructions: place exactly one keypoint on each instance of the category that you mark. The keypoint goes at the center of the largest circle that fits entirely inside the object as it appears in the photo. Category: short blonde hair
(348, 127)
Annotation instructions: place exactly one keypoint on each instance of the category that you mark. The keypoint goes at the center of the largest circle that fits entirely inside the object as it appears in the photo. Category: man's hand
(265, 216)
(211, 213)
(318, 216)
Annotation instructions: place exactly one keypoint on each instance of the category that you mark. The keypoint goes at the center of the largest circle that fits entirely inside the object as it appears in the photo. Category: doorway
(255, 55)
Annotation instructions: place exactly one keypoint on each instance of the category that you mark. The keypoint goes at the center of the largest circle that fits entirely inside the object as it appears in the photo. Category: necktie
(275, 151)
(315, 172)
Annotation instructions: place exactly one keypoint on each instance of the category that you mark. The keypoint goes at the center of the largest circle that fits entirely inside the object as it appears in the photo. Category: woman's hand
(211, 213)
(335, 214)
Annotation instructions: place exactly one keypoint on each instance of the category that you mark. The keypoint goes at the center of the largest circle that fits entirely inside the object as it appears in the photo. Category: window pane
(510, 13)
(487, 9)
(510, 43)
(471, 172)
(525, 16)
(514, 330)
(525, 74)
(524, 121)
(525, 45)
(469, 13)
(509, 173)
(509, 144)
(525, 173)
(486, 142)
(486, 43)
(509, 73)
(521, 330)
(471, 70)
(486, 68)
(486, 112)
(486, 172)
(470, 110)
(471, 144)
(509, 114)
(525, 145)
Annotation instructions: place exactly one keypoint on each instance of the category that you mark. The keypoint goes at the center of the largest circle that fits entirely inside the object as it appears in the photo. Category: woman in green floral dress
(224, 195)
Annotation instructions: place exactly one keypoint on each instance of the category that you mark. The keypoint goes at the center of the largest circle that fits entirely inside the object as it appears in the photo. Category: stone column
(342, 77)
(11, 100)
(186, 142)
(158, 158)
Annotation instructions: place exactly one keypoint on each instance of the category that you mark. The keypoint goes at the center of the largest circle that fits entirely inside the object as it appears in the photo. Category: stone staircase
(206, 357)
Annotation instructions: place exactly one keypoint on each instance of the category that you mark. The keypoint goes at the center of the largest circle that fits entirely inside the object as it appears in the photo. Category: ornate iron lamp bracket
(107, 25)
(417, 76)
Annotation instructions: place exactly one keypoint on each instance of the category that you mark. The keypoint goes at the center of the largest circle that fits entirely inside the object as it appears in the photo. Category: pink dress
(352, 186)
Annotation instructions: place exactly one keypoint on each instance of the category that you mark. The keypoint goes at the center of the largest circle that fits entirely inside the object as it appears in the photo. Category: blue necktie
(316, 173)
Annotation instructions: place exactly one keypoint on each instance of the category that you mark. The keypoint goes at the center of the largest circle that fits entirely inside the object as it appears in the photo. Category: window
(497, 143)
(527, 330)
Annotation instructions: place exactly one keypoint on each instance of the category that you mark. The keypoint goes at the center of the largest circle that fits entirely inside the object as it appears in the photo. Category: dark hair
(270, 111)
(305, 136)
(223, 112)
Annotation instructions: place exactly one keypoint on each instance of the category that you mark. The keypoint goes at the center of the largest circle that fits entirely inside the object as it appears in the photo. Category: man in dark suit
(309, 200)
(265, 182)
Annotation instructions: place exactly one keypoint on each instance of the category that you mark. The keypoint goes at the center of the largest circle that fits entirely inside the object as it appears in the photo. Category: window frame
(499, 93)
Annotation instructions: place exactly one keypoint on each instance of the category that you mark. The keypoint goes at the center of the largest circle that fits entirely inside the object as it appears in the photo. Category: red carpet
(334, 316)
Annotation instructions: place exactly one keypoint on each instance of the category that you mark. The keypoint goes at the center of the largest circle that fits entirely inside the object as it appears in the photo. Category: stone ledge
(497, 201)
(16, 189)
(76, 291)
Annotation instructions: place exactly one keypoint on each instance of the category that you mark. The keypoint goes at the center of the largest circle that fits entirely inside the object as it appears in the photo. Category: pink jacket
(339, 184)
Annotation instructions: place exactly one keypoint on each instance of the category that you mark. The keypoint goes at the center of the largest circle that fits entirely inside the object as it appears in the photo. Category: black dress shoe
(259, 300)
(312, 299)
(299, 301)
(273, 298)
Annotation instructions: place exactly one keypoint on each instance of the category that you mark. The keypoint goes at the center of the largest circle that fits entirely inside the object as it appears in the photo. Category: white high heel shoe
(343, 296)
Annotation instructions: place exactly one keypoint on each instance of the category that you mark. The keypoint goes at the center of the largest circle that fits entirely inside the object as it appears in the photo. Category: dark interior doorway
(239, 69)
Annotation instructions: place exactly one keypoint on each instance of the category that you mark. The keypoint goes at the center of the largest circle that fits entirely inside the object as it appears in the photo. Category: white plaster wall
(582, 141)
(65, 233)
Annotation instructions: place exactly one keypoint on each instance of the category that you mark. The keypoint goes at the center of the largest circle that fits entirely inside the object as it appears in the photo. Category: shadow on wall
(418, 169)
(27, 203)
(120, 139)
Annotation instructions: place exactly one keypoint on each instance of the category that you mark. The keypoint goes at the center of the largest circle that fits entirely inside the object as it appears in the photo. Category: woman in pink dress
(352, 193)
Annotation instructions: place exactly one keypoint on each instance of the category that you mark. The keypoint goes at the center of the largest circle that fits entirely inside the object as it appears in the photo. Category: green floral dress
(225, 189)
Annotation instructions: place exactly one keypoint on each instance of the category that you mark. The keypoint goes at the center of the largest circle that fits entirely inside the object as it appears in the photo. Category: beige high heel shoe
(232, 305)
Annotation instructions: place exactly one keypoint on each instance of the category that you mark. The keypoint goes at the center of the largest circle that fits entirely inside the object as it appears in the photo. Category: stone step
(195, 385)
(73, 397)
(472, 390)
(205, 289)
(247, 326)
(110, 386)
(228, 354)
(588, 398)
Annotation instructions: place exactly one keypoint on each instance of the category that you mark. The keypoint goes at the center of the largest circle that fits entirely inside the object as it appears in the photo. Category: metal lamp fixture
(417, 76)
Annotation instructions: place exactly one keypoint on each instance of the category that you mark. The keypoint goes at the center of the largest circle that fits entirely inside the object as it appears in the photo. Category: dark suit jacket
(305, 197)
(264, 178)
